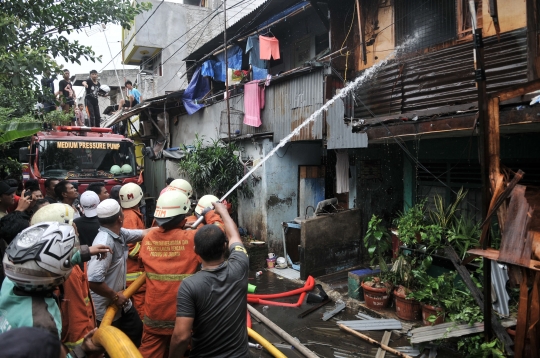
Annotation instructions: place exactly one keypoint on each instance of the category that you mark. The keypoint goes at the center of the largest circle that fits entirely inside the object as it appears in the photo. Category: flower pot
(377, 298)
(407, 309)
(428, 310)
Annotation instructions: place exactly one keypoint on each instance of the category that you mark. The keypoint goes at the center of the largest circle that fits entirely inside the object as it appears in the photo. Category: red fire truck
(81, 155)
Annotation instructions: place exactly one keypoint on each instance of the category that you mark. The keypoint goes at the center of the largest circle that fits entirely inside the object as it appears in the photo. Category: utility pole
(226, 71)
(483, 140)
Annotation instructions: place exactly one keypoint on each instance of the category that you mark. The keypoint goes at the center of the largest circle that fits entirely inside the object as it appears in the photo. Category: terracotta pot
(428, 311)
(376, 298)
(407, 309)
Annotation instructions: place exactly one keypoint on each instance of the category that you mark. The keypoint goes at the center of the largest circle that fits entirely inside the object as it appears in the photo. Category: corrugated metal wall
(444, 77)
(154, 177)
(339, 134)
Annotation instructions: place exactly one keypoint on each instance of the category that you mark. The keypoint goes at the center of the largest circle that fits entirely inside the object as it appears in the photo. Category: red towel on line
(253, 103)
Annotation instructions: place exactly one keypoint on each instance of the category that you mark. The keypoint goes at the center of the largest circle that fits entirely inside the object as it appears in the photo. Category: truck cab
(81, 155)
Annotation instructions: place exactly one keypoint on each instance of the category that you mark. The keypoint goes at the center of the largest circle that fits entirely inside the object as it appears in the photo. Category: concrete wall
(276, 195)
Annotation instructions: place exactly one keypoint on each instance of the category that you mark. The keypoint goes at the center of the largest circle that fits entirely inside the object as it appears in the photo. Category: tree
(33, 34)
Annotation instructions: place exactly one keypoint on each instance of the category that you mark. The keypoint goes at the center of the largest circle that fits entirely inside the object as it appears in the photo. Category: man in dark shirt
(88, 224)
(67, 93)
(91, 99)
(50, 195)
(213, 302)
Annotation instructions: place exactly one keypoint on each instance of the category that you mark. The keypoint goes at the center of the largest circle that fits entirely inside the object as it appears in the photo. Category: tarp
(282, 14)
(197, 89)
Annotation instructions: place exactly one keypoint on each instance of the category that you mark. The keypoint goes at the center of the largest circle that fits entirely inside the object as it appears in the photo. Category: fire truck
(81, 155)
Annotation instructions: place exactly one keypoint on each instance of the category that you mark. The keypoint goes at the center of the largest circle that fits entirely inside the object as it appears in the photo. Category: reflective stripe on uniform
(166, 277)
(135, 250)
(158, 324)
(133, 276)
(86, 300)
(72, 345)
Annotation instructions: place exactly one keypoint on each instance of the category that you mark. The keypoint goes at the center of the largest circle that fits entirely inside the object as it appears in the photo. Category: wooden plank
(361, 32)
(521, 328)
(534, 314)
(493, 254)
(303, 172)
(517, 90)
(493, 144)
(516, 244)
(381, 353)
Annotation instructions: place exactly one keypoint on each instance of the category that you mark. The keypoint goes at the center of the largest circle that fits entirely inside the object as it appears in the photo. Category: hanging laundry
(196, 89)
(253, 48)
(259, 73)
(269, 47)
(234, 55)
(207, 68)
(342, 172)
(253, 103)
(268, 80)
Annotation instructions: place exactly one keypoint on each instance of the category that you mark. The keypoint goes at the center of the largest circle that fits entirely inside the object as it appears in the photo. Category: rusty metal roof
(444, 77)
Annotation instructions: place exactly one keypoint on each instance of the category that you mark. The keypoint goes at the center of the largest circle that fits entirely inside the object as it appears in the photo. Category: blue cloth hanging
(197, 89)
(259, 73)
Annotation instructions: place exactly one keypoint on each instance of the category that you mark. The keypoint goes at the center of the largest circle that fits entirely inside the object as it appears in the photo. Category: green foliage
(411, 223)
(476, 347)
(434, 291)
(33, 34)
(213, 168)
(444, 215)
(10, 167)
(463, 234)
(404, 267)
(432, 237)
(378, 242)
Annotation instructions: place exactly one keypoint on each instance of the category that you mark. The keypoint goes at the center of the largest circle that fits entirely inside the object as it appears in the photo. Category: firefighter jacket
(168, 258)
(133, 219)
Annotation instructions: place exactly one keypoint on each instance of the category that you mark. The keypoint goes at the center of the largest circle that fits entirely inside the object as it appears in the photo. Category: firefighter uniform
(168, 257)
(133, 220)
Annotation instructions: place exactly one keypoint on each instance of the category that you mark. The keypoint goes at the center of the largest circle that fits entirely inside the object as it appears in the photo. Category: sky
(99, 45)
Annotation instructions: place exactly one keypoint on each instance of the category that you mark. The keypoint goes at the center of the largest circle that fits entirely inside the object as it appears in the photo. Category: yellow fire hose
(115, 342)
(263, 342)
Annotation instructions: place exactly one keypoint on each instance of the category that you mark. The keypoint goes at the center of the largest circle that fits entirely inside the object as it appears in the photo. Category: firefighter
(181, 185)
(204, 202)
(168, 256)
(130, 197)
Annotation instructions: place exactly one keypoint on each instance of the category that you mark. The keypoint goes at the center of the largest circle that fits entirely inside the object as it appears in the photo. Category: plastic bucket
(271, 263)
(251, 288)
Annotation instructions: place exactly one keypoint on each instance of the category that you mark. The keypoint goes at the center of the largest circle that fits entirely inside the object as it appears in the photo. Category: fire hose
(115, 342)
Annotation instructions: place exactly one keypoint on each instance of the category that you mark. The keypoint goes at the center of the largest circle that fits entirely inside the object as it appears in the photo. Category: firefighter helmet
(126, 169)
(171, 204)
(58, 212)
(115, 169)
(181, 185)
(205, 202)
(130, 195)
(39, 258)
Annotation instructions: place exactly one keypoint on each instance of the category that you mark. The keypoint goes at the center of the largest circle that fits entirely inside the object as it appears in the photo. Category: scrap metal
(372, 325)
(339, 307)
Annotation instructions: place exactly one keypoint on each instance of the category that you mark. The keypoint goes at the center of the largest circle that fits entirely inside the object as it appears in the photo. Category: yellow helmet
(57, 212)
(182, 185)
(170, 204)
(130, 195)
(205, 202)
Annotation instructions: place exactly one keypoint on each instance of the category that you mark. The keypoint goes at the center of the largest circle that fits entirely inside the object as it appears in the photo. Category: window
(464, 18)
(431, 22)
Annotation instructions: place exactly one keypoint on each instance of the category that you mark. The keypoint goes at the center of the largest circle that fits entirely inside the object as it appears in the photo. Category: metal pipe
(287, 337)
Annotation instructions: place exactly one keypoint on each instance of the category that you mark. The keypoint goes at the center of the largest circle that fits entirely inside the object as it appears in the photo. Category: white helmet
(169, 205)
(58, 212)
(39, 258)
(130, 195)
(205, 202)
(104, 90)
(182, 185)
(115, 169)
(126, 169)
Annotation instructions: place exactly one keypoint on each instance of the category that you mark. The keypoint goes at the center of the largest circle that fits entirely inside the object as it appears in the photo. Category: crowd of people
(88, 112)
(68, 258)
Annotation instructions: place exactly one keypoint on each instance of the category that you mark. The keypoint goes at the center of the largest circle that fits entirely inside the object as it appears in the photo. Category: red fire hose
(308, 286)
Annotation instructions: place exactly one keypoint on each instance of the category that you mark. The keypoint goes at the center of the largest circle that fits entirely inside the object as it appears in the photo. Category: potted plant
(407, 308)
(377, 290)
(410, 224)
(433, 293)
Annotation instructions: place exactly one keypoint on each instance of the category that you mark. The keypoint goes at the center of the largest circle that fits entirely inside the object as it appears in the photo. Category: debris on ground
(372, 324)
(340, 306)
